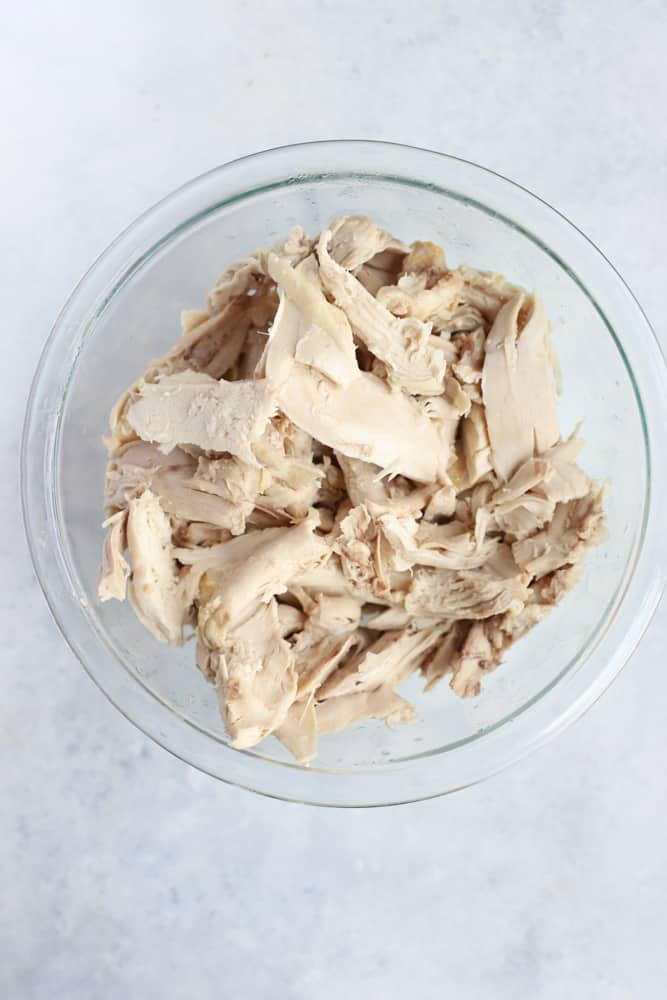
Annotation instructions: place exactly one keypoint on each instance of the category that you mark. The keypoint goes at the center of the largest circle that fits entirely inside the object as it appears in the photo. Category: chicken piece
(356, 239)
(317, 660)
(232, 484)
(576, 526)
(213, 344)
(297, 246)
(115, 570)
(181, 497)
(475, 593)
(255, 677)
(443, 546)
(367, 561)
(403, 345)
(388, 661)
(518, 508)
(237, 280)
(415, 296)
(314, 331)
(517, 387)
(210, 347)
(443, 657)
(475, 445)
(485, 292)
(470, 346)
(257, 565)
(299, 731)
(553, 587)
(374, 256)
(132, 466)
(365, 485)
(293, 482)
(336, 714)
(156, 590)
(363, 420)
(445, 414)
(230, 478)
(564, 480)
(476, 658)
(192, 408)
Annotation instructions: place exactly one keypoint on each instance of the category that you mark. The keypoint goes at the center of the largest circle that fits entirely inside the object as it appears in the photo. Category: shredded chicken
(348, 469)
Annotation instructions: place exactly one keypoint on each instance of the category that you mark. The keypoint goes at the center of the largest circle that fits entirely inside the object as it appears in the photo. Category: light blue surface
(122, 871)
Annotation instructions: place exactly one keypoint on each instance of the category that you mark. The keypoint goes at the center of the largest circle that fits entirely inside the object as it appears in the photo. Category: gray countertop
(125, 873)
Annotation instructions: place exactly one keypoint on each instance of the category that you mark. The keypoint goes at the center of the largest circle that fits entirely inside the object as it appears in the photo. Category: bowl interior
(140, 320)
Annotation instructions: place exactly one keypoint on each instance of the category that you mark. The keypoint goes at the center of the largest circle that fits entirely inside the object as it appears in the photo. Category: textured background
(122, 871)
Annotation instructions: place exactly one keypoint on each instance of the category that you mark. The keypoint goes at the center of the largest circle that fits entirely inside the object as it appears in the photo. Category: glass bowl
(125, 311)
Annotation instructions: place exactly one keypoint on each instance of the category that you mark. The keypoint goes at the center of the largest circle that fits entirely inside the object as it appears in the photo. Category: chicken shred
(348, 470)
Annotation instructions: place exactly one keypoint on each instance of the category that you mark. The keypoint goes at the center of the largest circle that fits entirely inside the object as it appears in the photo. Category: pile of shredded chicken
(348, 469)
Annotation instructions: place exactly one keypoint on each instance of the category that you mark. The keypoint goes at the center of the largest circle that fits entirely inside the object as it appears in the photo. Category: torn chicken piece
(475, 593)
(363, 420)
(115, 570)
(192, 408)
(415, 362)
(485, 292)
(237, 280)
(470, 346)
(356, 239)
(317, 659)
(157, 591)
(299, 731)
(255, 677)
(315, 332)
(335, 714)
(182, 498)
(212, 344)
(475, 445)
(365, 485)
(476, 658)
(442, 658)
(372, 255)
(388, 661)
(131, 468)
(446, 546)
(367, 560)
(517, 387)
(257, 565)
(416, 296)
(576, 526)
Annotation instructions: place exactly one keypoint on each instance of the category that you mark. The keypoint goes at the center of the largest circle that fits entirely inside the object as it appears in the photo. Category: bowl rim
(62, 604)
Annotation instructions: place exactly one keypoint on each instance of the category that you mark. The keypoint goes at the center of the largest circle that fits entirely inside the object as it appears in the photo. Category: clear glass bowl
(126, 311)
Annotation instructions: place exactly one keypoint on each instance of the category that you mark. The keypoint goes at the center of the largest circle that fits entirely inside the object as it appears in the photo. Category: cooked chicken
(156, 588)
(115, 570)
(517, 386)
(195, 409)
(335, 714)
(359, 419)
(348, 469)
(256, 565)
(388, 661)
(414, 363)
(255, 677)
